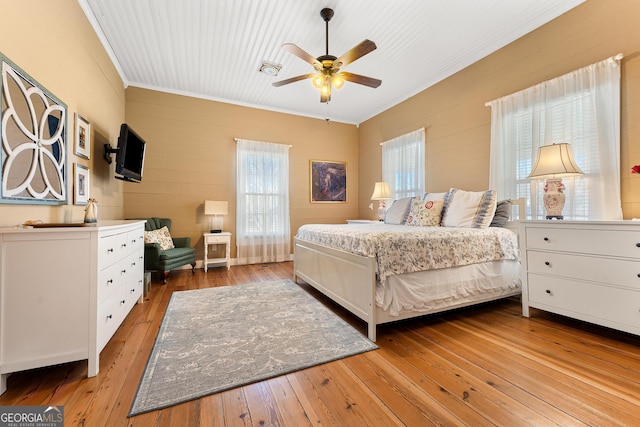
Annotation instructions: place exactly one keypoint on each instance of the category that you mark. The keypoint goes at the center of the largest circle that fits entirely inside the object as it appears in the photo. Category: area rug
(217, 339)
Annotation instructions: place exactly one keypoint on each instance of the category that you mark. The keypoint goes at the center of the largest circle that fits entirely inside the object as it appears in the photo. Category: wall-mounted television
(130, 155)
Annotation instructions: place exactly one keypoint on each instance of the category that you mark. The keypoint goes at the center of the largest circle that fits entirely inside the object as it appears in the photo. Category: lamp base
(215, 231)
(554, 198)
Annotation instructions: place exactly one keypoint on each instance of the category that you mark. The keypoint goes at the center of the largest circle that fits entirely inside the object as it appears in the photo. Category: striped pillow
(473, 209)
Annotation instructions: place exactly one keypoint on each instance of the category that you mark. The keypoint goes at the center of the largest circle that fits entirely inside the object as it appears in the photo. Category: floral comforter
(406, 249)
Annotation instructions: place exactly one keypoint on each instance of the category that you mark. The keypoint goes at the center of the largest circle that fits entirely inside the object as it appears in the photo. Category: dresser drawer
(111, 313)
(619, 272)
(111, 249)
(588, 241)
(587, 301)
(111, 278)
(136, 240)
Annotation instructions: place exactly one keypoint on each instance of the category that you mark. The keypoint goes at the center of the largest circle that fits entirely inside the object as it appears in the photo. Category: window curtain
(581, 108)
(403, 164)
(262, 202)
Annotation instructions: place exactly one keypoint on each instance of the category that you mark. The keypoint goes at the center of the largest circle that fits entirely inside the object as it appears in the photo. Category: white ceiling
(213, 48)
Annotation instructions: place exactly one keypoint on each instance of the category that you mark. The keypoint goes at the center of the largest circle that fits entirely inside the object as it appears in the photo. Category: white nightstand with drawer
(588, 270)
(223, 238)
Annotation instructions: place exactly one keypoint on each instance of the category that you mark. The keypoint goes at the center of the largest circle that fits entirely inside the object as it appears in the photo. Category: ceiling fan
(328, 66)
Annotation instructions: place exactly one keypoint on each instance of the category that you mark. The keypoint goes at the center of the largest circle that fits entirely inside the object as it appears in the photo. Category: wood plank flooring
(479, 366)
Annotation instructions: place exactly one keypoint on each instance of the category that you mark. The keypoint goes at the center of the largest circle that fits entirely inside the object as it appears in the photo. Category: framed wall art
(80, 185)
(328, 181)
(33, 152)
(83, 137)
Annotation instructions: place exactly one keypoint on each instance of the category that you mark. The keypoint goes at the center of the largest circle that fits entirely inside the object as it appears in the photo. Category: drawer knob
(110, 250)
(110, 316)
(110, 281)
(637, 245)
(122, 301)
(547, 263)
(548, 291)
(546, 239)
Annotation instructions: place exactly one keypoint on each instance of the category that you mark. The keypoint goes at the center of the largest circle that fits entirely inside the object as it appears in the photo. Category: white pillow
(160, 236)
(425, 213)
(468, 208)
(398, 211)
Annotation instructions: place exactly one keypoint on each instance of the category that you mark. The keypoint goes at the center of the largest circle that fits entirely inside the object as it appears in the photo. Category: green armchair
(163, 261)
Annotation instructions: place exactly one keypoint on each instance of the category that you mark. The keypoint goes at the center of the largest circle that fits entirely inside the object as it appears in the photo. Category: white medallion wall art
(34, 154)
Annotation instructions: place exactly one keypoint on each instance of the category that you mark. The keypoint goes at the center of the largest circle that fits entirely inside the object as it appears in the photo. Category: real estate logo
(31, 416)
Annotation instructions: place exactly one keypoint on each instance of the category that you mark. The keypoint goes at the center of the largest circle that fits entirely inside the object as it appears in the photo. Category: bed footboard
(347, 279)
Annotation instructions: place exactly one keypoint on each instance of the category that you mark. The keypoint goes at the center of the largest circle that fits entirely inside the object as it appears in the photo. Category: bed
(382, 273)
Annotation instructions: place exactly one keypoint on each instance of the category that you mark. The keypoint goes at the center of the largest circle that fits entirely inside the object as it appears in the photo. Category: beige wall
(458, 124)
(54, 43)
(191, 154)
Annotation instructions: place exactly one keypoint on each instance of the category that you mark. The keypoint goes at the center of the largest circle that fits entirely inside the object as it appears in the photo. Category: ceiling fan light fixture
(270, 68)
(317, 80)
(338, 81)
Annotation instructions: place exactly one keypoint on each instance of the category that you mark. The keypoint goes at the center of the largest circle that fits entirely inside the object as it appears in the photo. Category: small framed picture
(80, 184)
(328, 181)
(83, 137)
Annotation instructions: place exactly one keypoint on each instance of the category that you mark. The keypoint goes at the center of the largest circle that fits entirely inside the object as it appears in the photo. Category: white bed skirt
(433, 290)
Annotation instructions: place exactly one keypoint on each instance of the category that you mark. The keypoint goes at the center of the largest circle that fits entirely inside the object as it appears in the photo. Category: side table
(223, 238)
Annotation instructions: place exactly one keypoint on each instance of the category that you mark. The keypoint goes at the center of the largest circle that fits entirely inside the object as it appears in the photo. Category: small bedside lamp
(554, 161)
(216, 209)
(381, 193)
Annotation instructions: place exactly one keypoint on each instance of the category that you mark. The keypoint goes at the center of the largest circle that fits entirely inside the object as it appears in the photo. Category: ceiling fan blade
(361, 80)
(292, 79)
(359, 51)
(292, 48)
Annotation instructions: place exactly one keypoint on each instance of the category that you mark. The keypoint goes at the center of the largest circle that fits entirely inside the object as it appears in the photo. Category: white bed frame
(350, 280)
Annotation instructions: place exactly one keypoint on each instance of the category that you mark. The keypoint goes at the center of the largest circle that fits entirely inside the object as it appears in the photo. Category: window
(262, 202)
(403, 164)
(581, 108)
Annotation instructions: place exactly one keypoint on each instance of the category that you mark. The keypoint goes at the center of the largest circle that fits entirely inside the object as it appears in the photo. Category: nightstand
(364, 221)
(588, 270)
(223, 238)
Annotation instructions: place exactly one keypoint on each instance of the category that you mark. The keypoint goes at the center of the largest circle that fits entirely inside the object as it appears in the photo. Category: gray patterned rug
(216, 339)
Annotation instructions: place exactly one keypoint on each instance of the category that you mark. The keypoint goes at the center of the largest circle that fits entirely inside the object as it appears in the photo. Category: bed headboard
(520, 213)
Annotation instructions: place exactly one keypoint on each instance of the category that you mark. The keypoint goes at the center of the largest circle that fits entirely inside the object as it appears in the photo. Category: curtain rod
(617, 57)
(238, 140)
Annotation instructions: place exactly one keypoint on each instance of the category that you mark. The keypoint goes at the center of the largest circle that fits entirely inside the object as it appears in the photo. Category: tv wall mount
(108, 151)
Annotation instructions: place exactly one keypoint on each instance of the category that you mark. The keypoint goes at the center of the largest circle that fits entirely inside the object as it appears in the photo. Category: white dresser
(65, 290)
(587, 270)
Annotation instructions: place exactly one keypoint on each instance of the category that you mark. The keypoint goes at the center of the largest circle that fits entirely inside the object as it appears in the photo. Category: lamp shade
(212, 207)
(555, 160)
(381, 191)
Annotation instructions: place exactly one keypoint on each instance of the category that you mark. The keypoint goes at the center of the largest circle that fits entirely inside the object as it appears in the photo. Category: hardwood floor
(478, 366)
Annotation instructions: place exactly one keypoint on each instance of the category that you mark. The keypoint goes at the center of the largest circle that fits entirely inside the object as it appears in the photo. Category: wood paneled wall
(55, 44)
(458, 124)
(191, 155)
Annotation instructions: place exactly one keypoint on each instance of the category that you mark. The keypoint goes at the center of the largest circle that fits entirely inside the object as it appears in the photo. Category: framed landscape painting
(328, 181)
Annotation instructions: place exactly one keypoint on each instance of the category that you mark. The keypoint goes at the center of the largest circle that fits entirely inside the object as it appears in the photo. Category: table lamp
(381, 193)
(554, 161)
(216, 209)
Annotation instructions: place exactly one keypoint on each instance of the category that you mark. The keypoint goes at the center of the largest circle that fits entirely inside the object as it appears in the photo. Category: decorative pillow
(468, 208)
(500, 218)
(425, 213)
(397, 212)
(434, 196)
(161, 236)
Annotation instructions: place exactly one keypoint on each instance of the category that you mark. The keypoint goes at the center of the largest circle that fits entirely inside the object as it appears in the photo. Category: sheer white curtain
(262, 199)
(581, 108)
(403, 164)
